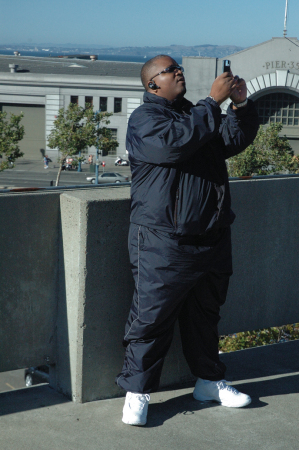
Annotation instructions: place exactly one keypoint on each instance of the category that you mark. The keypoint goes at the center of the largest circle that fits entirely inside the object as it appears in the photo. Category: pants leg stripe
(137, 287)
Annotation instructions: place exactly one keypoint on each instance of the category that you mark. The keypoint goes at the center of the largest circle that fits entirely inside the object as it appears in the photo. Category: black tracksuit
(179, 239)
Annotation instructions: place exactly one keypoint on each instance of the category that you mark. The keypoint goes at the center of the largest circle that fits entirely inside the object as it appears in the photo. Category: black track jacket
(177, 153)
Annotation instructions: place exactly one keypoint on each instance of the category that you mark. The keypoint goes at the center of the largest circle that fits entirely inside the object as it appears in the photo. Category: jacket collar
(177, 104)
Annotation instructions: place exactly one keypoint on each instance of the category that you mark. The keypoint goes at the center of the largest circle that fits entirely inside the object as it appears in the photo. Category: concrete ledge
(66, 284)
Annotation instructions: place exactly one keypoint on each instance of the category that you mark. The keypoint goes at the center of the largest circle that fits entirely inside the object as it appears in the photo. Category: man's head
(168, 84)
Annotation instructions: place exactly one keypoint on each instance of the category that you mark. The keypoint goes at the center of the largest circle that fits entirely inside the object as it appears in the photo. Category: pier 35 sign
(282, 65)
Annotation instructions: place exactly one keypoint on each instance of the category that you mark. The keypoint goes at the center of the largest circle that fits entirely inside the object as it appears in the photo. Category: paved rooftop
(39, 418)
(31, 64)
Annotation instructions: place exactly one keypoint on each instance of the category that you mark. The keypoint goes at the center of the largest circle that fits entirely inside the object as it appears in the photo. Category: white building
(40, 86)
(271, 70)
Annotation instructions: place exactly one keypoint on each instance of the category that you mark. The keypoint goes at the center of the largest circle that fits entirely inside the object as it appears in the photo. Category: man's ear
(152, 85)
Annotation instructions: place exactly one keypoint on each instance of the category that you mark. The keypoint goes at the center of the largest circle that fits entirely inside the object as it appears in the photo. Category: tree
(75, 129)
(269, 153)
(11, 133)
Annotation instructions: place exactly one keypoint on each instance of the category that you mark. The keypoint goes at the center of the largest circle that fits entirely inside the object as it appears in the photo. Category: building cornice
(64, 81)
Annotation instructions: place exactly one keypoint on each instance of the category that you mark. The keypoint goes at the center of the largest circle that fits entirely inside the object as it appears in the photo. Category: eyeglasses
(169, 69)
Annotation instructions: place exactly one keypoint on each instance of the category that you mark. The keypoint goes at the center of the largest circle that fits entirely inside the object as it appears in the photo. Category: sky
(137, 23)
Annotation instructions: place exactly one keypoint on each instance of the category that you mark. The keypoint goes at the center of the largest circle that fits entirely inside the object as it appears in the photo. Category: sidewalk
(38, 165)
(35, 170)
(39, 418)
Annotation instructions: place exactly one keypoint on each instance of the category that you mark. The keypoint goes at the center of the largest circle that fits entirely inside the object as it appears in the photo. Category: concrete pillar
(95, 293)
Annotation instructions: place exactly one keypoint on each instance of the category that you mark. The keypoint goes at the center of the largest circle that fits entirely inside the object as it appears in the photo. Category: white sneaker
(135, 409)
(220, 392)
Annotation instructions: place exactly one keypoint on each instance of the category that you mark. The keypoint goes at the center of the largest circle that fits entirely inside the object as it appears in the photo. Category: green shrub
(257, 338)
(268, 154)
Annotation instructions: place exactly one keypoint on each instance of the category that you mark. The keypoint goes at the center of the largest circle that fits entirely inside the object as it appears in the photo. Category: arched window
(278, 107)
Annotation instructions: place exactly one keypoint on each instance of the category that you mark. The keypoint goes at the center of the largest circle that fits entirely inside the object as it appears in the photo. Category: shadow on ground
(185, 405)
(269, 371)
(28, 399)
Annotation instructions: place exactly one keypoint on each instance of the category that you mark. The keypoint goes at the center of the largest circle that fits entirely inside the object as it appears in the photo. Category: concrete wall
(265, 286)
(29, 226)
(66, 285)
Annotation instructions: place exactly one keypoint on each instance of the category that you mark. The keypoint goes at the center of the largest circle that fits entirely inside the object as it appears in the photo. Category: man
(46, 162)
(179, 238)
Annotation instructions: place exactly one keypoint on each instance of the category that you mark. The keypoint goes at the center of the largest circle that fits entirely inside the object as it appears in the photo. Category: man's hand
(239, 94)
(223, 87)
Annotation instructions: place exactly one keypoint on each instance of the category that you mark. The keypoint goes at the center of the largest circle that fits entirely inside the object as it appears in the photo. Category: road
(22, 178)
(12, 380)
(32, 174)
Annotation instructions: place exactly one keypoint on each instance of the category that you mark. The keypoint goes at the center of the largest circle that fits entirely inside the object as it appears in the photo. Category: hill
(217, 51)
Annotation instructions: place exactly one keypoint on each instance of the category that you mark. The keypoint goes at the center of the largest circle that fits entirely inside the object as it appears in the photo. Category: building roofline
(262, 43)
(69, 80)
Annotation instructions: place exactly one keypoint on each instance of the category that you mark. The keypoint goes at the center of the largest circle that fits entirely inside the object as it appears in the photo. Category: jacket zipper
(176, 207)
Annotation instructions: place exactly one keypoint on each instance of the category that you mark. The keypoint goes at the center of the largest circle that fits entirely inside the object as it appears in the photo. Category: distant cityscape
(175, 51)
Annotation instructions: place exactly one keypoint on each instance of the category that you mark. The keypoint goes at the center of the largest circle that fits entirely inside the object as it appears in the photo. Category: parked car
(36, 375)
(109, 177)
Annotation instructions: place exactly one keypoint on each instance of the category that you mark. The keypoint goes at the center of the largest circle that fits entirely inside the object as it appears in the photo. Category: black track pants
(175, 278)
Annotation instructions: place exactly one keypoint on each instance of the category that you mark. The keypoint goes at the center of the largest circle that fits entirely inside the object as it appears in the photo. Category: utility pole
(97, 155)
(285, 20)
